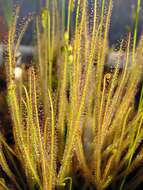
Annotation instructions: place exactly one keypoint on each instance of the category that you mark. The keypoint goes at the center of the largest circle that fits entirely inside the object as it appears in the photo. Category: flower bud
(66, 37)
(70, 59)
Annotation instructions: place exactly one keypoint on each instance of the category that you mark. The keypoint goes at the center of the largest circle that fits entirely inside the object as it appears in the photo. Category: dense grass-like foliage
(68, 114)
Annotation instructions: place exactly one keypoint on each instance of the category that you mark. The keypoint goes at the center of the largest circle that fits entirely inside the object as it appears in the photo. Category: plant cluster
(68, 115)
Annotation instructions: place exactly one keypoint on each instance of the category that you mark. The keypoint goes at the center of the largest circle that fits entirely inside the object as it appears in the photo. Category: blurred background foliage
(6, 7)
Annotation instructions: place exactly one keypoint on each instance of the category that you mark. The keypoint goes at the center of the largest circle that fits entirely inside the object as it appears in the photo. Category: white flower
(18, 73)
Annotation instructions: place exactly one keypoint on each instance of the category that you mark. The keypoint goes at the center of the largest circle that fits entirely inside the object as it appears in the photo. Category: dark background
(122, 19)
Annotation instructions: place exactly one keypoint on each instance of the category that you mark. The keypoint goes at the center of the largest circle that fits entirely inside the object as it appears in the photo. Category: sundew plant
(75, 125)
